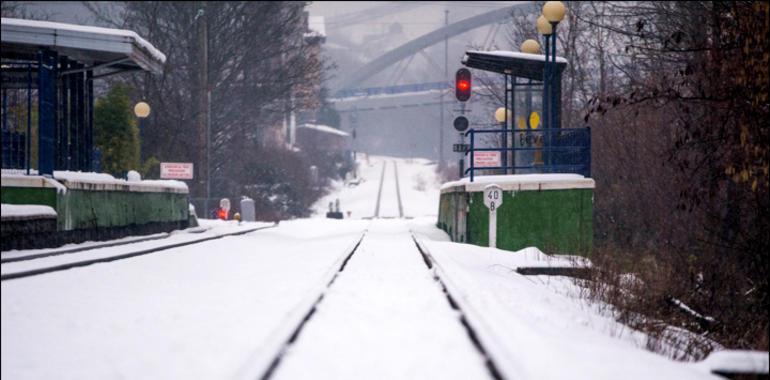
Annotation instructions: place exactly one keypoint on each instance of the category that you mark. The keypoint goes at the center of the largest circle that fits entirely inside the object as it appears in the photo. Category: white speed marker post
(493, 199)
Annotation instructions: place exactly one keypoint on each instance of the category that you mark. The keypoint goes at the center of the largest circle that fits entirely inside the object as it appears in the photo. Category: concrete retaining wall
(551, 212)
(97, 210)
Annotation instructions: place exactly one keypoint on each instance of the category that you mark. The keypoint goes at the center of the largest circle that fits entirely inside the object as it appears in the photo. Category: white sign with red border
(176, 170)
(486, 159)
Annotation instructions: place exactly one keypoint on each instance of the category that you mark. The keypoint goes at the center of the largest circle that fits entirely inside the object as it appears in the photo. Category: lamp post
(141, 110)
(545, 28)
(529, 47)
(502, 115)
(553, 12)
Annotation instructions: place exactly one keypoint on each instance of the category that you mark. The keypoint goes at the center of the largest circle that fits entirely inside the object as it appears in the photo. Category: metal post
(446, 74)
(552, 96)
(513, 125)
(27, 153)
(472, 153)
(546, 72)
(505, 127)
(90, 134)
(208, 144)
(46, 91)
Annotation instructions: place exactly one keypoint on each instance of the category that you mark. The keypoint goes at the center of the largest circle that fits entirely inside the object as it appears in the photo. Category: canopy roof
(98, 47)
(517, 64)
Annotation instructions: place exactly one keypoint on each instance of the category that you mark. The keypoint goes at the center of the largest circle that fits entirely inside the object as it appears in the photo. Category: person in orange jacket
(222, 213)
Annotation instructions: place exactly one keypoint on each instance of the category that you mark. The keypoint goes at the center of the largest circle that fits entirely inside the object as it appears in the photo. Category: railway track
(473, 334)
(47, 267)
(297, 330)
(379, 191)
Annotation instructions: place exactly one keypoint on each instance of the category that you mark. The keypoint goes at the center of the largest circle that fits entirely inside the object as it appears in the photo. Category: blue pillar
(47, 62)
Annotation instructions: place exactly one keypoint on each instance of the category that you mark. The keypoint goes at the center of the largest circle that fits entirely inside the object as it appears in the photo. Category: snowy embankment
(538, 327)
(218, 309)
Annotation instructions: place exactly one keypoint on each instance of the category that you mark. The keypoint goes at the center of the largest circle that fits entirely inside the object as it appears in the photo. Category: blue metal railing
(556, 150)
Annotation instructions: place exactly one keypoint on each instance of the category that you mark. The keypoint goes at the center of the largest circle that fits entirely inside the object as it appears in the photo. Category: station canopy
(522, 65)
(114, 50)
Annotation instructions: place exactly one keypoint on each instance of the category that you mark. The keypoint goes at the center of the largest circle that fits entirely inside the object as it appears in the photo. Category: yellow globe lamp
(530, 47)
(554, 11)
(500, 115)
(142, 110)
(543, 26)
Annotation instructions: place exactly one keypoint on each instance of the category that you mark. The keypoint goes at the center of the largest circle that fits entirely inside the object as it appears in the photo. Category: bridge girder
(414, 46)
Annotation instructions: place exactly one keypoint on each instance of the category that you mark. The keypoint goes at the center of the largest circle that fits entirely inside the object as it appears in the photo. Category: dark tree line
(251, 61)
(676, 96)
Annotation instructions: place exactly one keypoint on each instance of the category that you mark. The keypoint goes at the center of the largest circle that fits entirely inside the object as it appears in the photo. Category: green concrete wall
(555, 221)
(83, 209)
(28, 196)
(86, 209)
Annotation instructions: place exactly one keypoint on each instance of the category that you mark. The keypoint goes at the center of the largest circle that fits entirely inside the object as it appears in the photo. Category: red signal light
(463, 84)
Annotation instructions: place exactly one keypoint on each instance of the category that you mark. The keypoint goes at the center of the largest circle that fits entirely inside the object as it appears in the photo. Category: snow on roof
(77, 180)
(324, 129)
(317, 26)
(75, 36)
(25, 212)
(519, 182)
(17, 178)
(516, 54)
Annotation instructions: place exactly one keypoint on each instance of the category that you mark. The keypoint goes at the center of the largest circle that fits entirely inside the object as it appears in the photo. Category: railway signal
(461, 123)
(463, 84)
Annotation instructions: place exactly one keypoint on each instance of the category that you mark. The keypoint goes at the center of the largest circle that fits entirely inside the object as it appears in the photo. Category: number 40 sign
(493, 199)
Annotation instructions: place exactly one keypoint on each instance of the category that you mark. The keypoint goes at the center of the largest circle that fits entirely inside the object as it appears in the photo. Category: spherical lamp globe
(543, 26)
(530, 46)
(500, 115)
(142, 109)
(554, 11)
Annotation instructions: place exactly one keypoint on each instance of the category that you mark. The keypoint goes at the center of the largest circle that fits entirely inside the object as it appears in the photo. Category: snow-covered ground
(418, 184)
(384, 318)
(213, 310)
(231, 308)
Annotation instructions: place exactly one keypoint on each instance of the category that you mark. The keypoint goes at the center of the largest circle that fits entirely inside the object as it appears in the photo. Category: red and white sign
(176, 170)
(486, 159)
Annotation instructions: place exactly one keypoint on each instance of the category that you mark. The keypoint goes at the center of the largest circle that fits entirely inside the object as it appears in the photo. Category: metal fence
(557, 150)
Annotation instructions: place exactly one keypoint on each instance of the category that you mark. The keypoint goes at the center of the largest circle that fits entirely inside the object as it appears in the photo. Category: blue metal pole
(554, 102)
(546, 89)
(29, 118)
(504, 153)
(552, 94)
(472, 158)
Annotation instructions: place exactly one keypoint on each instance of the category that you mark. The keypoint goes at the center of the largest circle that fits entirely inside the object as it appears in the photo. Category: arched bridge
(415, 46)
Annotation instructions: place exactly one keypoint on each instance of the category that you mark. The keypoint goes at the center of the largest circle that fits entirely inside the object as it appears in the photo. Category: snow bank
(736, 361)
(518, 182)
(538, 327)
(26, 212)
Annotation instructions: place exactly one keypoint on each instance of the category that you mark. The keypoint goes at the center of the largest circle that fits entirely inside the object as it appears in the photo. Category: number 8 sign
(493, 197)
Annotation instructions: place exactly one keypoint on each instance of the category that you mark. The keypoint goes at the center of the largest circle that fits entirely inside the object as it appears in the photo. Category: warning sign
(486, 159)
(176, 170)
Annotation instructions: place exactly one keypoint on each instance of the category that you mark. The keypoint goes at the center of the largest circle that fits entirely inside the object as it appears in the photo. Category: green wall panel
(555, 221)
(28, 196)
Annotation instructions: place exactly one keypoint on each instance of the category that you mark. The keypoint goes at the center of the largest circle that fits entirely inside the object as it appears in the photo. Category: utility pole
(446, 75)
(204, 97)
